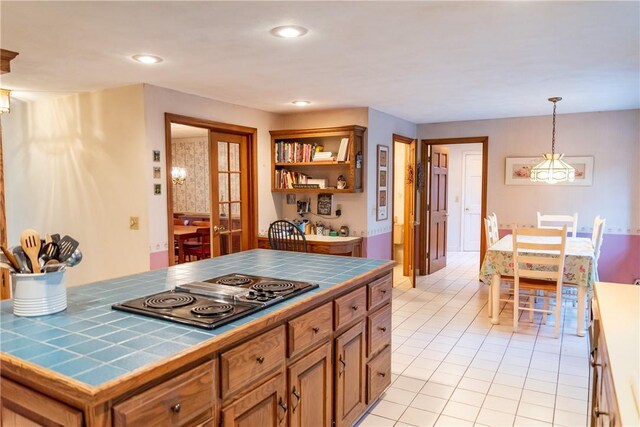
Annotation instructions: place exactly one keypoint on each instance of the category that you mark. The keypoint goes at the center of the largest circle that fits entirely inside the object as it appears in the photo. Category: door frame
(407, 227)
(425, 145)
(252, 151)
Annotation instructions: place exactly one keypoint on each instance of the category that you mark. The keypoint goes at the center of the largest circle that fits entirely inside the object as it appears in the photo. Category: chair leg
(545, 306)
(582, 296)
(516, 306)
(558, 311)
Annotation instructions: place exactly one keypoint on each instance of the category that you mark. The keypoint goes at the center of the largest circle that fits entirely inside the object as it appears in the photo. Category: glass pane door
(229, 194)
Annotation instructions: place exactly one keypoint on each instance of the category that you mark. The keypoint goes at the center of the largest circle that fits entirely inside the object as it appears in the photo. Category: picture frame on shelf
(382, 169)
(517, 170)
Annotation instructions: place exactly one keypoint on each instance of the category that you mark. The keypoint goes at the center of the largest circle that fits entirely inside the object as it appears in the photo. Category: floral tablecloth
(578, 263)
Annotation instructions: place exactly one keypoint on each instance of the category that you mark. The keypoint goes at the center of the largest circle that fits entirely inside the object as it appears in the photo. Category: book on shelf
(343, 150)
(323, 156)
(293, 152)
(287, 179)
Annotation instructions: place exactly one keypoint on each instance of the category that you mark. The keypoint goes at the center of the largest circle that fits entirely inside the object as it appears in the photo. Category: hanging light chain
(553, 133)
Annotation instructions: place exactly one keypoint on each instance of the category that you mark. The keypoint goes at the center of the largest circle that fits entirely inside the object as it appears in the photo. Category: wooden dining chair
(596, 240)
(506, 282)
(538, 274)
(557, 221)
(200, 248)
(285, 236)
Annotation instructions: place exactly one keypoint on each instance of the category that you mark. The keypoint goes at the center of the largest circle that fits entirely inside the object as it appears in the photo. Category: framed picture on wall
(518, 170)
(156, 155)
(382, 208)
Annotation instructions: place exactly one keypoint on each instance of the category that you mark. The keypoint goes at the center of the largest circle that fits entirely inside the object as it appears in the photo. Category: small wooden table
(330, 245)
(182, 233)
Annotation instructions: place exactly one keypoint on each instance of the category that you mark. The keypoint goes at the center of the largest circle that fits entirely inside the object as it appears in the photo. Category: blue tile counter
(92, 344)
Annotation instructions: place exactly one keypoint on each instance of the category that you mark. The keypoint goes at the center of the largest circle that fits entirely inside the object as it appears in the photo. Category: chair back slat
(491, 230)
(596, 240)
(285, 236)
(541, 260)
(557, 221)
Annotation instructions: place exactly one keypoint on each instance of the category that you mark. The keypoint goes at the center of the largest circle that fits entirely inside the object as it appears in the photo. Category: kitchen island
(320, 357)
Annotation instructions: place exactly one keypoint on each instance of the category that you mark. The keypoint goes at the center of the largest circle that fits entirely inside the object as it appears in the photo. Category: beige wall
(159, 101)
(72, 166)
(612, 138)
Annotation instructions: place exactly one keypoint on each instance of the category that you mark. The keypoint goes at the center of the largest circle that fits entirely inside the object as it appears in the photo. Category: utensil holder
(38, 294)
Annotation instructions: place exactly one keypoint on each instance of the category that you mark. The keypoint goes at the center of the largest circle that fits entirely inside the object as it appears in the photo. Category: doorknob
(466, 209)
(218, 229)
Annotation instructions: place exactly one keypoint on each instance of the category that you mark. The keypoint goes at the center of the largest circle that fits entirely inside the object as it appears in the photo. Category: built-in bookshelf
(303, 160)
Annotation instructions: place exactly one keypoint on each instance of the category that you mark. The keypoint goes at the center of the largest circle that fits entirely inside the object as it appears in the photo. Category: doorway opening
(454, 201)
(211, 188)
(404, 202)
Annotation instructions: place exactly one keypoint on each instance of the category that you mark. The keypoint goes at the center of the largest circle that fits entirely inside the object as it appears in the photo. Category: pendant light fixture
(552, 168)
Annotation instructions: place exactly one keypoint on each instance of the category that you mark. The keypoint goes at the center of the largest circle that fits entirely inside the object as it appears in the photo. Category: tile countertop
(94, 344)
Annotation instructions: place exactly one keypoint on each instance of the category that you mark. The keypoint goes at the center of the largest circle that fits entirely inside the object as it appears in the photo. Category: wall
(613, 138)
(159, 100)
(72, 166)
(192, 154)
(381, 128)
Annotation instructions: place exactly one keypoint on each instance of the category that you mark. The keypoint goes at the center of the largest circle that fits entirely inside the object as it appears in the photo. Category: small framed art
(382, 208)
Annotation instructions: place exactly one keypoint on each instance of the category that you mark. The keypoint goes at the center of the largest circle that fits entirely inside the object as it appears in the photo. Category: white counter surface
(619, 307)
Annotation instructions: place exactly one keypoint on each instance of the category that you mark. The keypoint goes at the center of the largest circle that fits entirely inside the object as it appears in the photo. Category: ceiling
(424, 62)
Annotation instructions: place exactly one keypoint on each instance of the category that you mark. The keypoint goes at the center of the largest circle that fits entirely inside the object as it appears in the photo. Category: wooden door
(350, 375)
(472, 202)
(437, 208)
(310, 389)
(230, 219)
(5, 287)
(264, 406)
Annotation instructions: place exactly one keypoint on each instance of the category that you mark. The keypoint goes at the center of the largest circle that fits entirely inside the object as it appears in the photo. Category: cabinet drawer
(379, 330)
(378, 374)
(350, 306)
(248, 362)
(379, 292)
(177, 402)
(310, 328)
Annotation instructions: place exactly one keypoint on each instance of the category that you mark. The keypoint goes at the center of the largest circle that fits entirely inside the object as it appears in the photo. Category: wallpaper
(193, 155)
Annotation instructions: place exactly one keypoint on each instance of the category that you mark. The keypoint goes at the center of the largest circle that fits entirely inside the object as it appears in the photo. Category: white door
(472, 201)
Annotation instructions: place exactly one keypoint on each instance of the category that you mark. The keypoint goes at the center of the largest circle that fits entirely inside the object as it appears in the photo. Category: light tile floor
(452, 367)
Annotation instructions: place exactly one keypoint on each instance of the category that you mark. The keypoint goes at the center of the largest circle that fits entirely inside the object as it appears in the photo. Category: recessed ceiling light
(147, 59)
(301, 103)
(289, 31)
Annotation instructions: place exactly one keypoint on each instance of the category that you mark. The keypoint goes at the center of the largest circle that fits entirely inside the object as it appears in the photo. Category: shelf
(314, 190)
(318, 163)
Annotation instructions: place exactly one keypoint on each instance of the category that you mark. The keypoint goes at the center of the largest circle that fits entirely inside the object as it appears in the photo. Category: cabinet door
(264, 406)
(310, 389)
(350, 375)
(26, 408)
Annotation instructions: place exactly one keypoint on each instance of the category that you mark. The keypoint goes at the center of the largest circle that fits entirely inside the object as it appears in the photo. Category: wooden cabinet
(292, 159)
(350, 380)
(184, 400)
(378, 374)
(246, 363)
(310, 389)
(350, 307)
(263, 406)
(21, 406)
(379, 330)
(309, 329)
(379, 292)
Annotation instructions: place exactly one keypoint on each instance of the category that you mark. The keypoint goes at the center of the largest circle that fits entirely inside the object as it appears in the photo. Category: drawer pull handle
(382, 328)
(354, 307)
(284, 409)
(176, 408)
(598, 413)
(382, 374)
(344, 364)
(260, 359)
(296, 394)
(315, 329)
(383, 291)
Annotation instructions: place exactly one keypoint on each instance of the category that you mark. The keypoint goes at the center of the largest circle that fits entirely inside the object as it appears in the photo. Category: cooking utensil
(11, 258)
(74, 259)
(47, 238)
(55, 238)
(30, 242)
(23, 262)
(50, 250)
(67, 246)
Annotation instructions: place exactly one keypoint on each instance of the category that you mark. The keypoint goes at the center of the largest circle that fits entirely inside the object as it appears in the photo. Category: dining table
(578, 270)
(182, 233)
